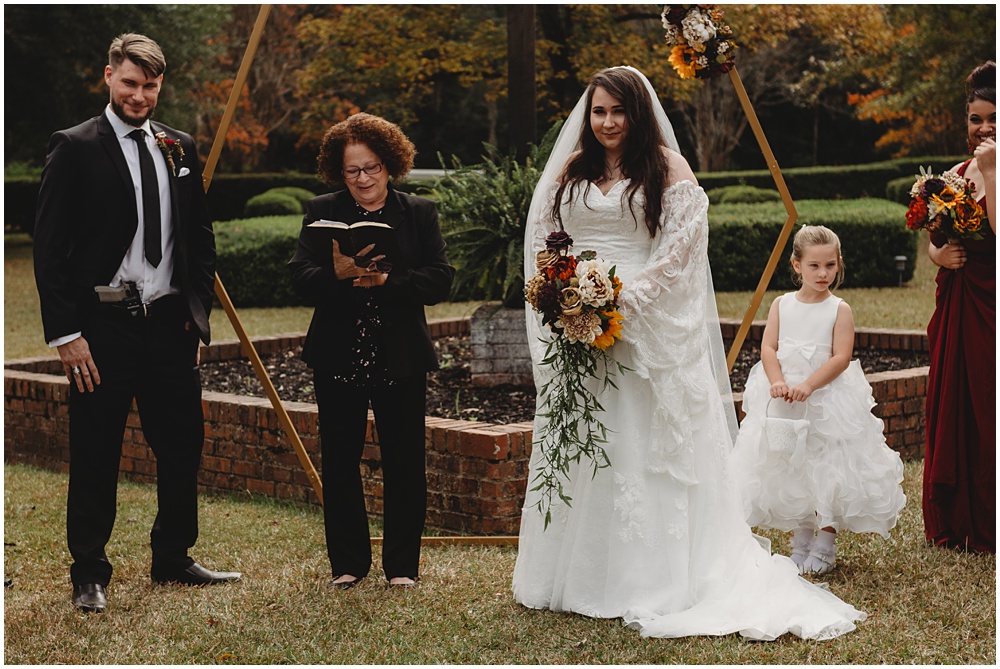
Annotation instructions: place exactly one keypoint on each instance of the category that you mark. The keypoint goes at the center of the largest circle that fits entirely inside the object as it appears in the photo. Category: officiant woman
(368, 344)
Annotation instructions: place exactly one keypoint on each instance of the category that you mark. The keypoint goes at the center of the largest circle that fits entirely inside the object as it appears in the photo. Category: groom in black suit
(125, 268)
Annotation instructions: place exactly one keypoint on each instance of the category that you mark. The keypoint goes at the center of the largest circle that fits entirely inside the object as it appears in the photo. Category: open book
(353, 237)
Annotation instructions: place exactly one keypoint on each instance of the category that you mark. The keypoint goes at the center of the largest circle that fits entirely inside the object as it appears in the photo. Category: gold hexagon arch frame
(247, 347)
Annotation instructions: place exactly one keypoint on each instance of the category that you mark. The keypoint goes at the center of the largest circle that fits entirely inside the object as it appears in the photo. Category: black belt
(141, 311)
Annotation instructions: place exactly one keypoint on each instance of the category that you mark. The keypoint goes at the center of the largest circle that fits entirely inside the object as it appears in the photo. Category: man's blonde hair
(139, 49)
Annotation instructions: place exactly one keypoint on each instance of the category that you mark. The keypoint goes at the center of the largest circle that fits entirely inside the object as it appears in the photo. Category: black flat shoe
(343, 585)
(90, 597)
(194, 575)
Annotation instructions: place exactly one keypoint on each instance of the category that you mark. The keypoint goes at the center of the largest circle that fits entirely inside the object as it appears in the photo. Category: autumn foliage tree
(430, 68)
(919, 94)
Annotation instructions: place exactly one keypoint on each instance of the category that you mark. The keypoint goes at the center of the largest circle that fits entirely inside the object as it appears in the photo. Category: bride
(657, 538)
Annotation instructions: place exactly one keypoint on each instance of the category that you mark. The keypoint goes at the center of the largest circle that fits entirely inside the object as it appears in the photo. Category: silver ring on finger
(76, 370)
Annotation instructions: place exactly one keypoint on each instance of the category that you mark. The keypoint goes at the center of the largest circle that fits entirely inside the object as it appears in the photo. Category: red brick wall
(476, 472)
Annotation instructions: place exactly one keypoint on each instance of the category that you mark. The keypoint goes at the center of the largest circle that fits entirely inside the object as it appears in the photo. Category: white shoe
(820, 561)
(802, 542)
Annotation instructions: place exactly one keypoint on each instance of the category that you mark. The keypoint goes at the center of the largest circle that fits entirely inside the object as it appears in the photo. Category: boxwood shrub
(872, 233)
(832, 182)
(898, 190)
(742, 195)
(271, 203)
(253, 255)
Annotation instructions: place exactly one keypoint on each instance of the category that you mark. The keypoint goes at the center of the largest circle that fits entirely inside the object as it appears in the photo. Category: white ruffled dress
(844, 475)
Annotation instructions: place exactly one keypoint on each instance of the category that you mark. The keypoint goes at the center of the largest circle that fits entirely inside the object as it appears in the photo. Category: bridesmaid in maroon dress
(960, 465)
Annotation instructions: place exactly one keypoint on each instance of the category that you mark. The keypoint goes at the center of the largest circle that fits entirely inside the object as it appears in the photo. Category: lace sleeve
(672, 324)
(673, 270)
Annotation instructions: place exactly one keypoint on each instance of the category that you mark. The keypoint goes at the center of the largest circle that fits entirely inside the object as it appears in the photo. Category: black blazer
(405, 342)
(86, 218)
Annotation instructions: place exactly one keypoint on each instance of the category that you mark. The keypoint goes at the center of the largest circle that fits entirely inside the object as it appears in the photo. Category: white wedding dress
(659, 537)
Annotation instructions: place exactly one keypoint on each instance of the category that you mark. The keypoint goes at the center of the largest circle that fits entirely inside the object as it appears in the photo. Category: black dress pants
(399, 419)
(151, 360)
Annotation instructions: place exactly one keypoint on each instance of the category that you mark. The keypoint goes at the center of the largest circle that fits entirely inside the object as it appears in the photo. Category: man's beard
(136, 123)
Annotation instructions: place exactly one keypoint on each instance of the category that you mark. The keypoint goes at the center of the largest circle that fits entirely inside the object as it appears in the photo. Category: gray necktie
(150, 200)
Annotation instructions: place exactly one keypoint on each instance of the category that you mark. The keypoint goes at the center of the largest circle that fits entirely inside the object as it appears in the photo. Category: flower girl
(810, 455)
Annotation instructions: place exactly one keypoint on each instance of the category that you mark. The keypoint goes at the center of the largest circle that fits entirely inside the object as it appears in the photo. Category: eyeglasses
(355, 172)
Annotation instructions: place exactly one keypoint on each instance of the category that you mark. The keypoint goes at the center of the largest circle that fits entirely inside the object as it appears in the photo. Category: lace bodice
(604, 224)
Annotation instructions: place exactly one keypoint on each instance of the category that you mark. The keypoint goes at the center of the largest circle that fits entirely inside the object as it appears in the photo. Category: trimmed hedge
(272, 203)
(301, 194)
(229, 192)
(253, 257)
(833, 183)
(20, 199)
(898, 190)
(742, 195)
(872, 233)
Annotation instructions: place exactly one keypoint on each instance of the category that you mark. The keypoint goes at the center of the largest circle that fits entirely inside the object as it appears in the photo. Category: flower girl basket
(783, 434)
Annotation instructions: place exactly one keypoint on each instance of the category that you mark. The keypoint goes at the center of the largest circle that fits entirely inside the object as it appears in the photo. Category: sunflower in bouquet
(577, 297)
(945, 204)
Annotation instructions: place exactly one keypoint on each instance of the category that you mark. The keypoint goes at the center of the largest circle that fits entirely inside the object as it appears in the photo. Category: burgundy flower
(548, 302)
(559, 241)
(933, 187)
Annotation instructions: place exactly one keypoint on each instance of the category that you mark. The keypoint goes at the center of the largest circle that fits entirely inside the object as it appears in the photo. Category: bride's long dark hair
(642, 161)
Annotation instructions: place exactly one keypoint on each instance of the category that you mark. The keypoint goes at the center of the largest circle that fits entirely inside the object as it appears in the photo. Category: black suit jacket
(405, 343)
(87, 216)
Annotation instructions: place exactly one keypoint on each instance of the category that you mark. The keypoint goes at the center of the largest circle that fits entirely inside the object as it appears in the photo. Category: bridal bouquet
(701, 44)
(578, 298)
(945, 204)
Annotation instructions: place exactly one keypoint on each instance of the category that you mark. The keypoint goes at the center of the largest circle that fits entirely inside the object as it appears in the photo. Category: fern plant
(483, 211)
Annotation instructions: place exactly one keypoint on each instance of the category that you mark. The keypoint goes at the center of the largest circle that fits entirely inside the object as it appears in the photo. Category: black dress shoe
(194, 575)
(90, 597)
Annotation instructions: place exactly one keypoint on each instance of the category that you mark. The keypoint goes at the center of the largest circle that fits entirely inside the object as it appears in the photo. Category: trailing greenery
(483, 210)
(272, 203)
(872, 233)
(253, 257)
(574, 430)
(742, 195)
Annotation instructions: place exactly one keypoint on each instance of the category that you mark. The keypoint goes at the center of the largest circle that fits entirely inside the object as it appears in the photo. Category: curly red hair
(385, 139)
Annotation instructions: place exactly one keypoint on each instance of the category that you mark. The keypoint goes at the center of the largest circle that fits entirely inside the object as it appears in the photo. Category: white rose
(595, 287)
(697, 28)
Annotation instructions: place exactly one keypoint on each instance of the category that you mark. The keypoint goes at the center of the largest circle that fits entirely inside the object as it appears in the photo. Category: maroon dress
(960, 465)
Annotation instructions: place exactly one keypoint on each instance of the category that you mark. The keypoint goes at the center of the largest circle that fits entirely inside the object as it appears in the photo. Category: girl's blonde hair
(816, 235)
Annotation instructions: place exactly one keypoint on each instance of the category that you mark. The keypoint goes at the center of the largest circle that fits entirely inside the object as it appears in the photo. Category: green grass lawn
(924, 605)
(908, 308)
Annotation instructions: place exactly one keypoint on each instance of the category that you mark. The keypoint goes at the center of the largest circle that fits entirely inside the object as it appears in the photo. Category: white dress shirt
(152, 282)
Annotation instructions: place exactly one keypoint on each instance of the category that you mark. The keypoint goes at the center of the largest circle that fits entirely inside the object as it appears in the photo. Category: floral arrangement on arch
(578, 299)
(701, 44)
(945, 204)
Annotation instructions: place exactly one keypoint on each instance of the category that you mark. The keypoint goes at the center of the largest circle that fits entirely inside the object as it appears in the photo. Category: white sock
(825, 541)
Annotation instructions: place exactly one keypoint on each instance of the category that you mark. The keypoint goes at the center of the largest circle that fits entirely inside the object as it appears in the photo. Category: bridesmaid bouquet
(945, 204)
(578, 299)
(701, 44)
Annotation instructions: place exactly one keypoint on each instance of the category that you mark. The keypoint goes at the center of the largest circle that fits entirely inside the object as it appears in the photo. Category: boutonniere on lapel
(170, 148)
